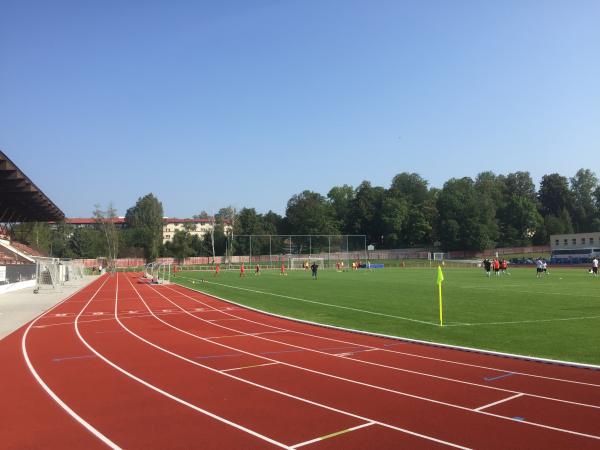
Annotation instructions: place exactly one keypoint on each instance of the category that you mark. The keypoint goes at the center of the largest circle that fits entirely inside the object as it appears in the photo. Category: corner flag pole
(440, 278)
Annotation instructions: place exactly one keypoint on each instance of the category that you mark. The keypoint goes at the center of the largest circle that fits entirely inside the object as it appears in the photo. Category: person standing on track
(314, 269)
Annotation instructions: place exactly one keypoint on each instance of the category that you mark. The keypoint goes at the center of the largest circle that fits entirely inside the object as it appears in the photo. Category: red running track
(130, 365)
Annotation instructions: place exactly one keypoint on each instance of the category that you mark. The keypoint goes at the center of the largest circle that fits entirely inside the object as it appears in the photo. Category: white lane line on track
(267, 388)
(49, 391)
(157, 389)
(535, 424)
(347, 355)
(137, 316)
(355, 352)
(489, 405)
(242, 335)
(399, 340)
(249, 367)
(328, 436)
(220, 320)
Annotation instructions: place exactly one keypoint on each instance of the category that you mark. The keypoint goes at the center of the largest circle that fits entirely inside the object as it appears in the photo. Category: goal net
(305, 263)
(52, 273)
(70, 272)
(47, 275)
(159, 273)
(273, 250)
(436, 256)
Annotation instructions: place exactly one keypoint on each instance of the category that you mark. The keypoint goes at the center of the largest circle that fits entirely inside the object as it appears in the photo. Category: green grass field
(557, 316)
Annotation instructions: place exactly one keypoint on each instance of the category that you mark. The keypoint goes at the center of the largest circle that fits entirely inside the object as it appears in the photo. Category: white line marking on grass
(511, 291)
(381, 388)
(49, 391)
(375, 313)
(511, 322)
(157, 389)
(346, 355)
(489, 405)
(249, 367)
(267, 388)
(328, 436)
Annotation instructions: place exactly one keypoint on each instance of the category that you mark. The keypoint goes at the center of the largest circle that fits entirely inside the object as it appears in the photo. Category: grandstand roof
(20, 199)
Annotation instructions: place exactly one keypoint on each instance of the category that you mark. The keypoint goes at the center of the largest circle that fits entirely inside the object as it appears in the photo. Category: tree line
(478, 213)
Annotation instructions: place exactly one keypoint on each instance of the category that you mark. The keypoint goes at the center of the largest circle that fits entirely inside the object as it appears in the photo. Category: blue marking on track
(395, 343)
(65, 358)
(229, 355)
(341, 348)
(282, 351)
(499, 376)
(519, 418)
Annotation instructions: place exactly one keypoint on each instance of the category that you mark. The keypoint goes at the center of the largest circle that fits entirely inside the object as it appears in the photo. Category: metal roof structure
(20, 199)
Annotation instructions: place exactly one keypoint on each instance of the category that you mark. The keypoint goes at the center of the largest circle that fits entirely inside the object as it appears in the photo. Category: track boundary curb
(406, 339)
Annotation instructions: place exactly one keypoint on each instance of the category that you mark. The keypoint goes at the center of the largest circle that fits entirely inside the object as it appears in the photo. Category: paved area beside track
(19, 307)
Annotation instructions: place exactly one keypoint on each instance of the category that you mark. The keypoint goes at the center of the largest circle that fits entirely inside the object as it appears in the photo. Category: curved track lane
(127, 364)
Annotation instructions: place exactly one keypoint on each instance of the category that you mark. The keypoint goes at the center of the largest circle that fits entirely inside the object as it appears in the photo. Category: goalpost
(301, 263)
(52, 273)
(270, 251)
(158, 273)
(436, 256)
(71, 271)
(46, 274)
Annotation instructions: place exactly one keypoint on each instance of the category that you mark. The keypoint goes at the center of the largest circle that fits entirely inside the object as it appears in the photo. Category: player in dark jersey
(487, 265)
(314, 268)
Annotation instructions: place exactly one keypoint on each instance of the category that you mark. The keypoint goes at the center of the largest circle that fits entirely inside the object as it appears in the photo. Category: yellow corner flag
(440, 278)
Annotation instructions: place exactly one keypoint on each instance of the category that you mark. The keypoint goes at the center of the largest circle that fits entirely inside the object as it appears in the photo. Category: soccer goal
(437, 256)
(70, 272)
(272, 250)
(158, 273)
(301, 263)
(47, 274)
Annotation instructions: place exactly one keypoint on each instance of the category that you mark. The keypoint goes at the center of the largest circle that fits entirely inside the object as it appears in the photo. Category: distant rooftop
(121, 220)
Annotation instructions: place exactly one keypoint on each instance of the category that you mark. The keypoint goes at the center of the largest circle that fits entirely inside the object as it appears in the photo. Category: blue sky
(207, 104)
